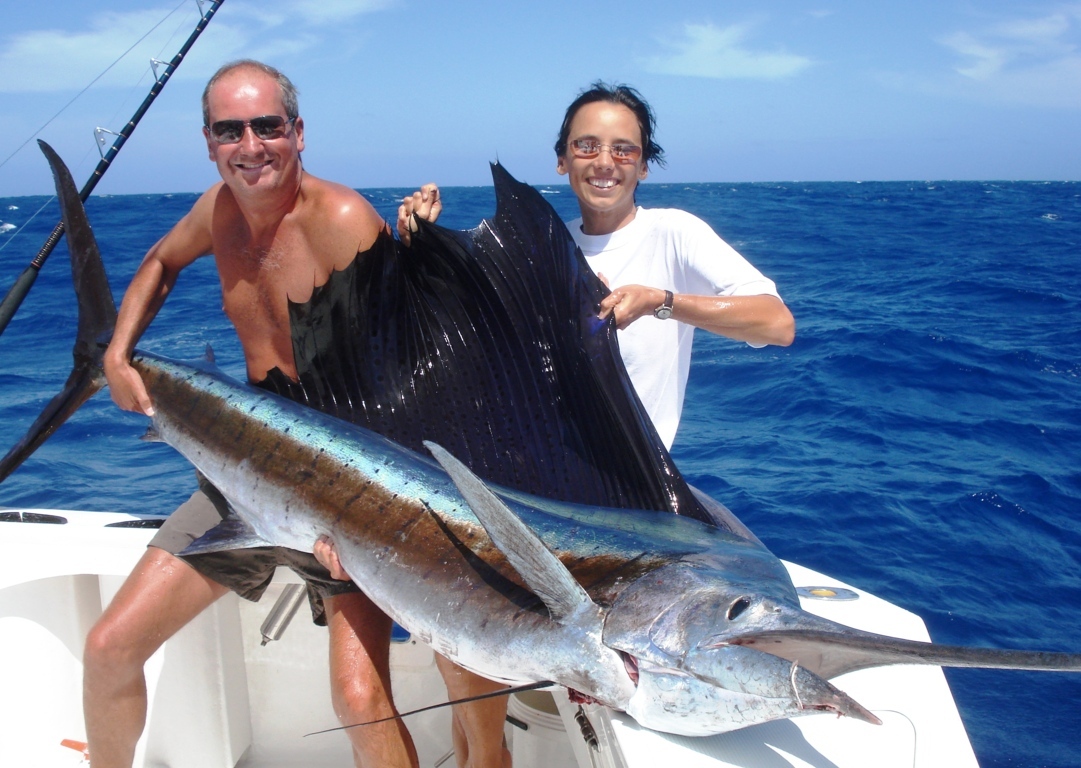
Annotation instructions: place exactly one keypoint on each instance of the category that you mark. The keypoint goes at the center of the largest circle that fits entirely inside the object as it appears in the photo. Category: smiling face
(254, 166)
(604, 186)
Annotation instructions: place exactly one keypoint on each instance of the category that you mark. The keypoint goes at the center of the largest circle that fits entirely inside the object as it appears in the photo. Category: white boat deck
(218, 698)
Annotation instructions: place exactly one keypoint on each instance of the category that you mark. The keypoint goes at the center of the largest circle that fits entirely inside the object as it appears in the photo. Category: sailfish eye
(736, 609)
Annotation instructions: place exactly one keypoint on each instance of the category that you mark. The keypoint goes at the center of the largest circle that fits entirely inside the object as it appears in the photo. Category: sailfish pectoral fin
(539, 568)
(231, 533)
(97, 316)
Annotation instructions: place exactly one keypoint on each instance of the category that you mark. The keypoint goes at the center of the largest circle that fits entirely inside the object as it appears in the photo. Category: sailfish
(467, 436)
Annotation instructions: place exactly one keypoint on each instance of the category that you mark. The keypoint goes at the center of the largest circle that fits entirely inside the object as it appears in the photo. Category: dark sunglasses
(266, 128)
(590, 148)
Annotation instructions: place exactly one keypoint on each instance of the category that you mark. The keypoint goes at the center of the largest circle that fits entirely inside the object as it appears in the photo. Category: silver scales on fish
(665, 636)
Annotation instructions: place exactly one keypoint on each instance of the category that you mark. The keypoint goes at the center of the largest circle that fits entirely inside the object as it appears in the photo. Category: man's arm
(155, 277)
(757, 320)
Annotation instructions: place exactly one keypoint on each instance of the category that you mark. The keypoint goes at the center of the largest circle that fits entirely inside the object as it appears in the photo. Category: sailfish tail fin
(97, 317)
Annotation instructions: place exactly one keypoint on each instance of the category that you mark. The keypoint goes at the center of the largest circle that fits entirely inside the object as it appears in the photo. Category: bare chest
(257, 286)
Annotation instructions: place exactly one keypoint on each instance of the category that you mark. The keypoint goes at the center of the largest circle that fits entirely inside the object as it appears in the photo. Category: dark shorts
(247, 572)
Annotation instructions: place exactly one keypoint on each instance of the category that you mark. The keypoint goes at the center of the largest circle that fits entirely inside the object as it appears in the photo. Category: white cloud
(1046, 31)
(57, 59)
(984, 60)
(54, 59)
(705, 50)
(1033, 61)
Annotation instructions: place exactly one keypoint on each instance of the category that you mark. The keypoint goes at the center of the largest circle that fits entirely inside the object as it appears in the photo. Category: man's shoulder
(331, 190)
(207, 208)
(340, 216)
(339, 201)
(670, 218)
(678, 225)
(211, 196)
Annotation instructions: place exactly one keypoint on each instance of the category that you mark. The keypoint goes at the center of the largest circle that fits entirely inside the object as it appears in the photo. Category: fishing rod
(25, 281)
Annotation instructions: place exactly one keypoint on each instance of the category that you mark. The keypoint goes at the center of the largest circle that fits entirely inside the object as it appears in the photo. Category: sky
(399, 92)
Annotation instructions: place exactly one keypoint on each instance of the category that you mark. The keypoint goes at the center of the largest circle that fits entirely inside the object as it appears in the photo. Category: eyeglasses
(590, 148)
(267, 127)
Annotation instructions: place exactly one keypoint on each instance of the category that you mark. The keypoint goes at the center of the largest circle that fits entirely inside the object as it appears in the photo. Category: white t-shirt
(674, 250)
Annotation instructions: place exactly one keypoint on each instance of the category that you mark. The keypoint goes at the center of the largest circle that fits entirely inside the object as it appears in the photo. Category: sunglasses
(590, 148)
(266, 128)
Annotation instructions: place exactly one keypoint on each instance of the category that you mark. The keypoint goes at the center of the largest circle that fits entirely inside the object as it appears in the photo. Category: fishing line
(90, 84)
(479, 697)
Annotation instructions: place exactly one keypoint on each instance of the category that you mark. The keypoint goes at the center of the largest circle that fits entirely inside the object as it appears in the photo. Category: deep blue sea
(921, 439)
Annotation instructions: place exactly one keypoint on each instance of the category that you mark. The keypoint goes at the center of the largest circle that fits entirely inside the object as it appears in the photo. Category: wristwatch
(664, 311)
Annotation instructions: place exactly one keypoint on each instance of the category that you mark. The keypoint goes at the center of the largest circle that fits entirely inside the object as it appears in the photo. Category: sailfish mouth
(825, 697)
(758, 673)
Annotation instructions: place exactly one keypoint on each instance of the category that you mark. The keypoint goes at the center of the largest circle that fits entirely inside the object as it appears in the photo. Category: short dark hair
(615, 93)
(288, 90)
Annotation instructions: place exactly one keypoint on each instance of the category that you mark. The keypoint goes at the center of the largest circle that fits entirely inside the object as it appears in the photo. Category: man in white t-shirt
(664, 263)
(668, 270)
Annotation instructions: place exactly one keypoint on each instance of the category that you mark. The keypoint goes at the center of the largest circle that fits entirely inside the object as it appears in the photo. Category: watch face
(664, 311)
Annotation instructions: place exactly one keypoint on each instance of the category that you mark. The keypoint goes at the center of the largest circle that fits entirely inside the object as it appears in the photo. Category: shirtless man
(275, 232)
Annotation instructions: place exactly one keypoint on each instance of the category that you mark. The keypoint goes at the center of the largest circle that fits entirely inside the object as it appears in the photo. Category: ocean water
(919, 440)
